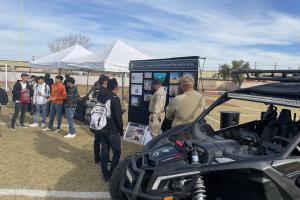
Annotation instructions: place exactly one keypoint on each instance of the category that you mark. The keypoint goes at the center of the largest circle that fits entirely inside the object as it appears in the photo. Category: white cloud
(204, 29)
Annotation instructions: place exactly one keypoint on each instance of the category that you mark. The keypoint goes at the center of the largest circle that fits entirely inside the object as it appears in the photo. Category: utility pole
(21, 38)
(275, 66)
(254, 65)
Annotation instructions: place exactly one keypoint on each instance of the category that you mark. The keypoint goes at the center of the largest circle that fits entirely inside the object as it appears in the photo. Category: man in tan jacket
(157, 108)
(185, 108)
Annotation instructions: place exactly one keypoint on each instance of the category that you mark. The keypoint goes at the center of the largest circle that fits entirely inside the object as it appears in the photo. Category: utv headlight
(175, 180)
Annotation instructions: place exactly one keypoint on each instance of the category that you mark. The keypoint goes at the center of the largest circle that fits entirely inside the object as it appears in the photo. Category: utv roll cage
(267, 75)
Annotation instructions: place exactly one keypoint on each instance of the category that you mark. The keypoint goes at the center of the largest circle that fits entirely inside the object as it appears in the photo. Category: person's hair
(60, 77)
(67, 76)
(32, 76)
(102, 79)
(187, 81)
(47, 75)
(112, 84)
(41, 78)
(71, 80)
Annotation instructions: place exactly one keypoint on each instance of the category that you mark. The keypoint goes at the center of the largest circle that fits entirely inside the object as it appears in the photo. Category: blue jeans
(41, 109)
(69, 115)
(55, 109)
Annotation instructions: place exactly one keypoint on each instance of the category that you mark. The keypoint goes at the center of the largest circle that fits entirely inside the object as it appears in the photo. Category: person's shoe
(43, 125)
(70, 135)
(23, 126)
(47, 129)
(13, 127)
(57, 131)
(106, 178)
(34, 125)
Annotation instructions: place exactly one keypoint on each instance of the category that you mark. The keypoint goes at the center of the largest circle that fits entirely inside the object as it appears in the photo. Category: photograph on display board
(148, 75)
(147, 96)
(137, 78)
(173, 90)
(135, 132)
(174, 77)
(136, 89)
(136, 101)
(160, 76)
(147, 84)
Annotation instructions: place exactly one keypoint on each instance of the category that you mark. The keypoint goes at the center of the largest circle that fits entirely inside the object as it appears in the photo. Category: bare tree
(68, 41)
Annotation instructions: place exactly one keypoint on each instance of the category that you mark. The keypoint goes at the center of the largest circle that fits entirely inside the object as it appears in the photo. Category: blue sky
(264, 32)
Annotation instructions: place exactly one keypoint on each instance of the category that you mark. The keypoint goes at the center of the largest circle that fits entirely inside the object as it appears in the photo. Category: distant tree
(68, 41)
(238, 65)
(224, 71)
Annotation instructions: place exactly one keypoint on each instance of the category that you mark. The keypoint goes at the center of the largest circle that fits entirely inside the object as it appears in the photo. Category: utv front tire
(115, 180)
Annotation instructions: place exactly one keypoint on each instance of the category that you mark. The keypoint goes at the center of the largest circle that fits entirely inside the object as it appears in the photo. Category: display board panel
(168, 71)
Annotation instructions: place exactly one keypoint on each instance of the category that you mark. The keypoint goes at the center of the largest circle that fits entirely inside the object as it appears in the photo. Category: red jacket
(58, 91)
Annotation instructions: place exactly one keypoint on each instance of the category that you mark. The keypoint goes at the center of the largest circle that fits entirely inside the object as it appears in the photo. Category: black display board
(142, 72)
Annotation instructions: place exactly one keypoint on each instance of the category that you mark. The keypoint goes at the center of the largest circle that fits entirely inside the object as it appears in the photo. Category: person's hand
(24, 90)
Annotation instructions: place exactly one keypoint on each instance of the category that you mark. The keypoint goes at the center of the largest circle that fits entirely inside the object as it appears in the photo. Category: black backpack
(3, 97)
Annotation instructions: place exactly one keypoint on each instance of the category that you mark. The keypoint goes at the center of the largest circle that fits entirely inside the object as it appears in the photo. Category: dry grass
(33, 159)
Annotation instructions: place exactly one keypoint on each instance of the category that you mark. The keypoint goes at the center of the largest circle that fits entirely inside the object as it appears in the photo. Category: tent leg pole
(87, 83)
(6, 76)
(123, 83)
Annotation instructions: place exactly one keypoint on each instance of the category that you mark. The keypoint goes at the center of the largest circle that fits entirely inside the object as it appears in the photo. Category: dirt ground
(34, 159)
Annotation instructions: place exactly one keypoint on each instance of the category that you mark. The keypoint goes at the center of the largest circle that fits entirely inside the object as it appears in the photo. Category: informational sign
(136, 133)
(168, 72)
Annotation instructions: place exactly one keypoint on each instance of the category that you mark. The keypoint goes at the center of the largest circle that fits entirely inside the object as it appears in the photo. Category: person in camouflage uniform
(156, 108)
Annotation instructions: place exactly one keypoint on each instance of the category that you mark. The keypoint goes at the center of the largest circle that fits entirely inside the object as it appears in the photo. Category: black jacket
(17, 91)
(3, 97)
(115, 124)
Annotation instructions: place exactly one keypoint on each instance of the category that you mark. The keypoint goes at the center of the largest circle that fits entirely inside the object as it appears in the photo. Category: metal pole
(123, 83)
(87, 82)
(6, 81)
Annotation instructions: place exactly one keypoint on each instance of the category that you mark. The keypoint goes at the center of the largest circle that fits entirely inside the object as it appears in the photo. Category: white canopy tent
(60, 60)
(114, 58)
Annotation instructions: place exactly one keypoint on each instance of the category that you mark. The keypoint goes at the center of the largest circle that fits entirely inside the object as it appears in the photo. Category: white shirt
(23, 85)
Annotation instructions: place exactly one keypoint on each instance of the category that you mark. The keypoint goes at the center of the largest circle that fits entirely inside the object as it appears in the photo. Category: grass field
(37, 160)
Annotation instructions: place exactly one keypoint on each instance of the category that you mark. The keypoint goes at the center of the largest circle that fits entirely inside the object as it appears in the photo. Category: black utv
(256, 160)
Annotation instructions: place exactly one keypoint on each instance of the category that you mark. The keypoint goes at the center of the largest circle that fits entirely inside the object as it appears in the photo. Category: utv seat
(282, 127)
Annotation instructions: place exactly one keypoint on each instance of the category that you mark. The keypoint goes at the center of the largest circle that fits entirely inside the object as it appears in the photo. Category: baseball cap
(156, 81)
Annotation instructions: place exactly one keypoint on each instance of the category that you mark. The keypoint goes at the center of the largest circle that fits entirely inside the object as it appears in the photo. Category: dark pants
(55, 109)
(19, 107)
(114, 142)
(97, 144)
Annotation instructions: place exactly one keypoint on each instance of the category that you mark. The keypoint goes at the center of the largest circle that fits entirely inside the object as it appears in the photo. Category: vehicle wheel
(115, 180)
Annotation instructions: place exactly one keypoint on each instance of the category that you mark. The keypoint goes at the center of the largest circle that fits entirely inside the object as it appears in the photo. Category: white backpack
(99, 115)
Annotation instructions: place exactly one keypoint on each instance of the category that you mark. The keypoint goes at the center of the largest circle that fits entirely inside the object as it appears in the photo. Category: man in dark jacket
(102, 92)
(21, 92)
(110, 136)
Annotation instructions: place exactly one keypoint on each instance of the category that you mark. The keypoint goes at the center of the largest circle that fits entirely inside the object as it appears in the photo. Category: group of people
(44, 96)
(183, 109)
